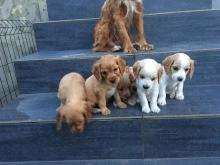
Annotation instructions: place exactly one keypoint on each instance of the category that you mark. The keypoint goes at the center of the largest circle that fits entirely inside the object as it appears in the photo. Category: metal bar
(16, 40)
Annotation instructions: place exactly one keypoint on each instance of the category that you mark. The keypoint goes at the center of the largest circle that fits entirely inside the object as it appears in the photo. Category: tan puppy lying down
(73, 109)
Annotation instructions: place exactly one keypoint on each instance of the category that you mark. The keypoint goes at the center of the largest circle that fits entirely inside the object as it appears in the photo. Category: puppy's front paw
(122, 105)
(146, 109)
(146, 46)
(180, 96)
(132, 101)
(105, 111)
(130, 49)
(155, 109)
(161, 101)
(172, 95)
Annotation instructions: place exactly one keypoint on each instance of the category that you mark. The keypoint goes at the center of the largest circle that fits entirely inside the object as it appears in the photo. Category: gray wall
(34, 10)
(216, 4)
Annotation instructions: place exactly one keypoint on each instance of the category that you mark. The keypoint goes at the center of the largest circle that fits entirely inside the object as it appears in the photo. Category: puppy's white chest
(111, 92)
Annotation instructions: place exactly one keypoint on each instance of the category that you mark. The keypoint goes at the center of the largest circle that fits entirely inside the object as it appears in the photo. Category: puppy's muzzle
(180, 79)
(112, 80)
(146, 87)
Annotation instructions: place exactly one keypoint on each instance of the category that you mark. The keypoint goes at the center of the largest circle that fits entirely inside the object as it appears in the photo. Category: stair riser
(168, 32)
(125, 139)
(61, 10)
(39, 76)
(44, 76)
(102, 139)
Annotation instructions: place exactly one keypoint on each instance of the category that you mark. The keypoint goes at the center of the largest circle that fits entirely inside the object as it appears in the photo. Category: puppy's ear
(59, 119)
(131, 73)
(87, 113)
(191, 70)
(96, 70)
(121, 63)
(167, 63)
(159, 73)
(136, 69)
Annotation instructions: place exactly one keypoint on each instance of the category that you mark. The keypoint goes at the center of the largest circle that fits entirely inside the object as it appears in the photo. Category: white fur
(149, 69)
(170, 84)
(111, 92)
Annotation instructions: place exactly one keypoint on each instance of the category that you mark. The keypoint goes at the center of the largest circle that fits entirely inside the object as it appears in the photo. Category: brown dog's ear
(167, 63)
(159, 73)
(87, 115)
(136, 69)
(59, 119)
(87, 112)
(191, 70)
(131, 73)
(96, 70)
(121, 63)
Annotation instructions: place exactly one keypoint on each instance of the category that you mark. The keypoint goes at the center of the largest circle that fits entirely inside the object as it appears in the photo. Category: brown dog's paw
(122, 105)
(130, 50)
(105, 111)
(146, 46)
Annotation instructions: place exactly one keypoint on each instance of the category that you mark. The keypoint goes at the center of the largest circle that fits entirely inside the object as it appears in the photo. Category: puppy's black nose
(145, 86)
(112, 81)
(180, 79)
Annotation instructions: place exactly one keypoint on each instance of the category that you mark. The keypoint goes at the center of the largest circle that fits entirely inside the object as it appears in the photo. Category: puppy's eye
(175, 68)
(186, 69)
(142, 77)
(153, 78)
(115, 69)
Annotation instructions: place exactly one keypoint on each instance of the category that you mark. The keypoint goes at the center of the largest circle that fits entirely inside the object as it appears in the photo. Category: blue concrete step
(112, 139)
(69, 9)
(41, 72)
(200, 101)
(170, 161)
(178, 31)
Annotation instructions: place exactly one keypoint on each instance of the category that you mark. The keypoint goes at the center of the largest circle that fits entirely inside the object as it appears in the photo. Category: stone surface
(33, 10)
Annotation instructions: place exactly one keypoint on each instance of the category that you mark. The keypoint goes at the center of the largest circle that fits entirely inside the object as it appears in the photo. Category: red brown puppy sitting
(127, 87)
(102, 85)
(73, 109)
(112, 32)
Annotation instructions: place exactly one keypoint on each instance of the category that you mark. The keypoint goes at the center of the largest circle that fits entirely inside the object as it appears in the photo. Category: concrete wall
(216, 4)
(34, 10)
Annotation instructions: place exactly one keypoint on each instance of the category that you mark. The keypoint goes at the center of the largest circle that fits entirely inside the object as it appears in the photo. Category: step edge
(145, 15)
(165, 117)
(157, 159)
(133, 55)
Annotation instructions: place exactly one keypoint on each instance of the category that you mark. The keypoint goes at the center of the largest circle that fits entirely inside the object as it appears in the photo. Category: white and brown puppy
(148, 73)
(73, 109)
(176, 67)
(112, 31)
(102, 85)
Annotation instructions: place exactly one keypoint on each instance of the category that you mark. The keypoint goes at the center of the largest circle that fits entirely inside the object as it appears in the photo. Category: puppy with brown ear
(127, 87)
(148, 73)
(102, 85)
(176, 67)
(74, 108)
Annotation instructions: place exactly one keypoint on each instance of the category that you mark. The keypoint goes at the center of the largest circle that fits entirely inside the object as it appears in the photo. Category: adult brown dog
(74, 108)
(112, 32)
(102, 85)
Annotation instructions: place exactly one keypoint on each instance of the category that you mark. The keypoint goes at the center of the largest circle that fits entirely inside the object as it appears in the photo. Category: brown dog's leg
(139, 24)
(124, 36)
(118, 101)
(59, 119)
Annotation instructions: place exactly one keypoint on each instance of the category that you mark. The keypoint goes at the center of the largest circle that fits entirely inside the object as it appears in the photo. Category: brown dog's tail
(59, 119)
